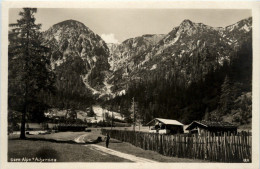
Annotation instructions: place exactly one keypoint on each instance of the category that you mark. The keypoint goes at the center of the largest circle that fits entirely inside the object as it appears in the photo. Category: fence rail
(223, 148)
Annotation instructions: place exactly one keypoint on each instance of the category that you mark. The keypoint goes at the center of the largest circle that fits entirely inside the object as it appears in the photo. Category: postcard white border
(254, 6)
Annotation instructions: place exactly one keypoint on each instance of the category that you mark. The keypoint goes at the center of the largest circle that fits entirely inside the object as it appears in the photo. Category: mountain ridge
(137, 57)
(189, 39)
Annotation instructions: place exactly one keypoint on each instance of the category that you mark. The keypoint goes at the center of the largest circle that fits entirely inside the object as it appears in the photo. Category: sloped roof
(167, 121)
(211, 124)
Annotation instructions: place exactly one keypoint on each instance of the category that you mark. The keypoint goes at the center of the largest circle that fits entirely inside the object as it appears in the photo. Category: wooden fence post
(224, 147)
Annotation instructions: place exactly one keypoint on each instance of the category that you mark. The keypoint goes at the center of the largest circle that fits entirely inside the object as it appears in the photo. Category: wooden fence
(222, 148)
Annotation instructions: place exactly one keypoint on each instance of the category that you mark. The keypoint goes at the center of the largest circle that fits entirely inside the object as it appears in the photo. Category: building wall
(175, 129)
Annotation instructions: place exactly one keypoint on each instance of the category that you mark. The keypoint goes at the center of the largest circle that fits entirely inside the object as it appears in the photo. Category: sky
(117, 25)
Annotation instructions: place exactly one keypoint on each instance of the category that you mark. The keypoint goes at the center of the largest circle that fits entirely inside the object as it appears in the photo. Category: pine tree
(29, 67)
(134, 111)
(91, 112)
(207, 114)
(226, 98)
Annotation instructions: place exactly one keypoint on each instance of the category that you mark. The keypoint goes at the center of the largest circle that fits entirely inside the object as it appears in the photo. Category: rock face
(77, 54)
(128, 53)
(189, 51)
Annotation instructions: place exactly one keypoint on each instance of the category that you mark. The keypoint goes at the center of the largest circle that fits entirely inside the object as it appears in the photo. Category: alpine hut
(165, 126)
(202, 127)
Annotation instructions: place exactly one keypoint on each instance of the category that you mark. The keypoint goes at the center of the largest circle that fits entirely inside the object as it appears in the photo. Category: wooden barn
(202, 127)
(165, 126)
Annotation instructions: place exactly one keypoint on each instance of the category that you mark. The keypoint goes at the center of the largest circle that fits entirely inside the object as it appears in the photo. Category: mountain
(79, 58)
(178, 75)
(128, 51)
(125, 56)
(194, 72)
(189, 50)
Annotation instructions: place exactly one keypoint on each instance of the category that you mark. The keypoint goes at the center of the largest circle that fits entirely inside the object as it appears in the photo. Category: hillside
(190, 51)
(184, 75)
(125, 56)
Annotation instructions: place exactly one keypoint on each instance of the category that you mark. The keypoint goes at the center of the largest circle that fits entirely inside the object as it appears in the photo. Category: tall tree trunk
(22, 135)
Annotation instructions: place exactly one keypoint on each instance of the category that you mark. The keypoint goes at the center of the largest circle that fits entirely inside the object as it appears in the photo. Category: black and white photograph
(130, 85)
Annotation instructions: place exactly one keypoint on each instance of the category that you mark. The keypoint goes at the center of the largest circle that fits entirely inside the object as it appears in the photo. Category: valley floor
(62, 146)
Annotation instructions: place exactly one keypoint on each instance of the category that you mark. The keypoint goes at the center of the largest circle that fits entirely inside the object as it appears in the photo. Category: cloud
(109, 38)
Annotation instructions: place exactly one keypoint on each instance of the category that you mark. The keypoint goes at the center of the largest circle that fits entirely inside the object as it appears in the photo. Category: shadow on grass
(115, 141)
(47, 153)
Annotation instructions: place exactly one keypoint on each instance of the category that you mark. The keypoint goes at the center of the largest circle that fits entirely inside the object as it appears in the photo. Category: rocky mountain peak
(186, 22)
(70, 23)
(190, 50)
(76, 46)
(243, 25)
(131, 50)
(186, 25)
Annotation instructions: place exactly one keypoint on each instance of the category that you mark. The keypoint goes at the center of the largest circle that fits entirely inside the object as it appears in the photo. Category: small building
(202, 127)
(165, 126)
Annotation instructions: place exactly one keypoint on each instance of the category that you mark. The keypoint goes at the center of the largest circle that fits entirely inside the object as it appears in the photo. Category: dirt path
(125, 150)
(80, 139)
(105, 151)
(119, 154)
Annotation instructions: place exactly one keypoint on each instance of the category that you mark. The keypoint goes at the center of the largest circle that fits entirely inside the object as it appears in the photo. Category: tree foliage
(226, 97)
(29, 72)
